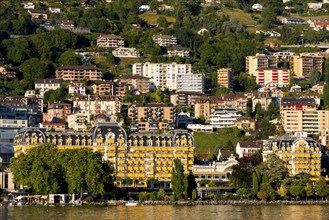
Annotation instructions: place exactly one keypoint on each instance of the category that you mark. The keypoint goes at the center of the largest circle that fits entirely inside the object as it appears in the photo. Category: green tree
(34, 69)
(44, 169)
(70, 58)
(242, 192)
(256, 182)
(325, 96)
(322, 188)
(296, 191)
(266, 191)
(177, 180)
(162, 21)
(268, 18)
(189, 184)
(315, 77)
(282, 191)
(161, 194)
(58, 95)
(309, 190)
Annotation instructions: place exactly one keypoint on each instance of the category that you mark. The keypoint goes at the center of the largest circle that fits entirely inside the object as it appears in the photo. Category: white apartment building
(44, 85)
(223, 118)
(125, 52)
(97, 104)
(79, 121)
(77, 88)
(275, 76)
(190, 83)
(162, 75)
(324, 137)
(164, 40)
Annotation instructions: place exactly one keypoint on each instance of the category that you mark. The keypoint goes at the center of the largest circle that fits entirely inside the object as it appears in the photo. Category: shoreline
(188, 203)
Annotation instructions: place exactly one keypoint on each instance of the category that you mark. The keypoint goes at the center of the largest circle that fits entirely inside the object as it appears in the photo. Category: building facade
(178, 51)
(186, 98)
(57, 111)
(260, 61)
(304, 64)
(110, 41)
(225, 78)
(137, 156)
(162, 75)
(77, 88)
(301, 154)
(275, 76)
(45, 85)
(190, 83)
(78, 73)
(111, 88)
(125, 52)
(223, 118)
(152, 112)
(98, 104)
(164, 40)
(136, 82)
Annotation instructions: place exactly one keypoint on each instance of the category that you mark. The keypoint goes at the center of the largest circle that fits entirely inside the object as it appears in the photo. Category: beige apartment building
(78, 73)
(110, 41)
(178, 51)
(97, 104)
(164, 40)
(204, 107)
(137, 82)
(57, 111)
(302, 115)
(158, 112)
(110, 88)
(303, 65)
(225, 77)
(260, 61)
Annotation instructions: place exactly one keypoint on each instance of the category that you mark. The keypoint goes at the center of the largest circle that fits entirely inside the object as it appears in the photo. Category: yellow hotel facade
(301, 154)
(137, 156)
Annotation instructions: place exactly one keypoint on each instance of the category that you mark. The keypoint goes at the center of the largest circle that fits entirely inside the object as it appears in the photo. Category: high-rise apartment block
(304, 64)
(260, 61)
(225, 77)
(162, 75)
(275, 76)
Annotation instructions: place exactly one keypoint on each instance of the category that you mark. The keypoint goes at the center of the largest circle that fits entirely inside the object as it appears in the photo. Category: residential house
(77, 88)
(51, 126)
(162, 75)
(260, 61)
(57, 111)
(28, 5)
(125, 52)
(110, 41)
(98, 104)
(79, 121)
(143, 8)
(7, 71)
(257, 7)
(54, 10)
(164, 40)
(225, 78)
(291, 20)
(78, 73)
(186, 98)
(263, 98)
(45, 85)
(36, 14)
(324, 137)
(111, 88)
(315, 6)
(178, 51)
(304, 64)
(246, 149)
(136, 82)
(301, 155)
(245, 123)
(283, 55)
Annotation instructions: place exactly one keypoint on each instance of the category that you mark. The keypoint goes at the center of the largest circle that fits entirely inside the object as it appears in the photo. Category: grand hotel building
(137, 156)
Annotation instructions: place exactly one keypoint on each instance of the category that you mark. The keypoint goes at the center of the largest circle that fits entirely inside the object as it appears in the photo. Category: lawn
(241, 16)
(153, 18)
(208, 142)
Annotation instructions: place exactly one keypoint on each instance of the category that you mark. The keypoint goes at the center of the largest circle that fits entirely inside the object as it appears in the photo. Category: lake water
(293, 212)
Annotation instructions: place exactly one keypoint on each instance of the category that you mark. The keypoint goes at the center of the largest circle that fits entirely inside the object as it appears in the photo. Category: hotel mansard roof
(101, 135)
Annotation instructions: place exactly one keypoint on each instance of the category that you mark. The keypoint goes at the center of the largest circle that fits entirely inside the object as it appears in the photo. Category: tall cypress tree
(177, 180)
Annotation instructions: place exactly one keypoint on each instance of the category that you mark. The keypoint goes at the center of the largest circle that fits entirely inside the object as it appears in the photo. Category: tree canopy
(45, 169)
